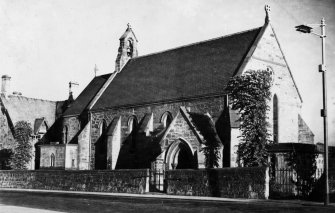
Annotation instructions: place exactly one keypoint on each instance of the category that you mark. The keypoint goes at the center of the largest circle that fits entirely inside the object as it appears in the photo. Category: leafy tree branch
(23, 150)
(249, 94)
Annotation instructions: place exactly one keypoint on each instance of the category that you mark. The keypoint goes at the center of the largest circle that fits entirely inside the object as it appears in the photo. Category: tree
(249, 94)
(22, 153)
(304, 165)
(212, 154)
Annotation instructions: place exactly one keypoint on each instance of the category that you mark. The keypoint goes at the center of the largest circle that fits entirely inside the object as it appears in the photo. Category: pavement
(33, 200)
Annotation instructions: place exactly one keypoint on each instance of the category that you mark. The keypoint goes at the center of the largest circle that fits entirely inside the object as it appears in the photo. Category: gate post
(267, 183)
(147, 181)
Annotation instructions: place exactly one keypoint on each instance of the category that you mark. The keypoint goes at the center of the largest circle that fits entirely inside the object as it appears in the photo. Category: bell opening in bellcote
(127, 49)
(130, 48)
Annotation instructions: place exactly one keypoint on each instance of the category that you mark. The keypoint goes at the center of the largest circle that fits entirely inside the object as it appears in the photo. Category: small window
(166, 119)
(65, 134)
(52, 160)
(72, 162)
(102, 127)
(275, 119)
(132, 124)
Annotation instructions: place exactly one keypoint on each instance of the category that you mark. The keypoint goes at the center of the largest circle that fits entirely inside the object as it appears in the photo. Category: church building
(159, 110)
(40, 114)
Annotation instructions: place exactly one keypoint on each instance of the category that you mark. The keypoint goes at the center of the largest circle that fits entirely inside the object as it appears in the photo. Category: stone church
(159, 110)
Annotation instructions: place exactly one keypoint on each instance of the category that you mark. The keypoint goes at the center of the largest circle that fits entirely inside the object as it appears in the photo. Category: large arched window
(65, 134)
(166, 119)
(52, 160)
(132, 124)
(275, 119)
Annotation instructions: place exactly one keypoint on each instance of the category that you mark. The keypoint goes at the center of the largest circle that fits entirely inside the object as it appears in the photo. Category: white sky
(45, 44)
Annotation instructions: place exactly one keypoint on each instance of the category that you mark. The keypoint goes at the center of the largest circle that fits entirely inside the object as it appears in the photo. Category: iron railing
(286, 182)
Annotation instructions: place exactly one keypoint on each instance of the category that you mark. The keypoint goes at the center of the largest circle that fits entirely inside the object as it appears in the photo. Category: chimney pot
(5, 87)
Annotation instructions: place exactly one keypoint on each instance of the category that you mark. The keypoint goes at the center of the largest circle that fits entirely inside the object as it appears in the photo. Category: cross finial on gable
(267, 11)
(95, 70)
(128, 26)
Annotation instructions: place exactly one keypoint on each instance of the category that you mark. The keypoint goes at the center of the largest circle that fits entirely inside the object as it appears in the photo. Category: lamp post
(322, 69)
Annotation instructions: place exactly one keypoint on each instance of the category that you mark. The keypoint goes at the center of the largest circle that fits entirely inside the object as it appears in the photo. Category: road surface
(28, 202)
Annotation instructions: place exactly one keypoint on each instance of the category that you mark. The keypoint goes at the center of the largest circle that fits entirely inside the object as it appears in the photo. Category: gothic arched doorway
(180, 155)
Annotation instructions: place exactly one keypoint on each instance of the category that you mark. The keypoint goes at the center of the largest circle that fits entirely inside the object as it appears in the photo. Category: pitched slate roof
(28, 109)
(206, 127)
(82, 101)
(194, 70)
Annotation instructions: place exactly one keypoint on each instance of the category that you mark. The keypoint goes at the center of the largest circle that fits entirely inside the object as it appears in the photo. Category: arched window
(102, 127)
(166, 119)
(65, 134)
(130, 48)
(132, 124)
(52, 160)
(275, 119)
(79, 125)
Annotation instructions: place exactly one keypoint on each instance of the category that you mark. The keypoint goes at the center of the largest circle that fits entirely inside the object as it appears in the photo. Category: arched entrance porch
(180, 155)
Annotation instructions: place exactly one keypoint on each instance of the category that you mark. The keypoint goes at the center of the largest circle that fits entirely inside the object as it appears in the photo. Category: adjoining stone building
(41, 114)
(159, 110)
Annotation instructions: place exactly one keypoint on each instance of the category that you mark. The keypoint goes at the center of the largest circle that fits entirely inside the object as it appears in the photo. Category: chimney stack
(5, 86)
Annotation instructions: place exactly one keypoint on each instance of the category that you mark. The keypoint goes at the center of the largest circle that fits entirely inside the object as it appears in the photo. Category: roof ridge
(104, 74)
(194, 43)
(36, 99)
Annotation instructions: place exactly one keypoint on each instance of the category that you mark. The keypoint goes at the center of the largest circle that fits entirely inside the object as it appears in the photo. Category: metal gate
(287, 182)
(156, 181)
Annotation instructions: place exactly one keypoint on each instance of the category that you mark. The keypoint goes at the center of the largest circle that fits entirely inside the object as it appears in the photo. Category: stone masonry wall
(180, 129)
(6, 136)
(227, 182)
(73, 125)
(214, 106)
(235, 140)
(84, 148)
(113, 146)
(71, 156)
(268, 55)
(120, 181)
(59, 153)
(305, 134)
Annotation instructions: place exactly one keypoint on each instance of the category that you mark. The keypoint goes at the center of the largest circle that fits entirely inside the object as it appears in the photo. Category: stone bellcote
(127, 48)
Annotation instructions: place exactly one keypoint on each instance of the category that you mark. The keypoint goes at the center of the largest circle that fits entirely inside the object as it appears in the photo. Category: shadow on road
(65, 202)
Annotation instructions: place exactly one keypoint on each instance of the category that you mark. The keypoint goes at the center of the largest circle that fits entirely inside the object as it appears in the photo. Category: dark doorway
(185, 157)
